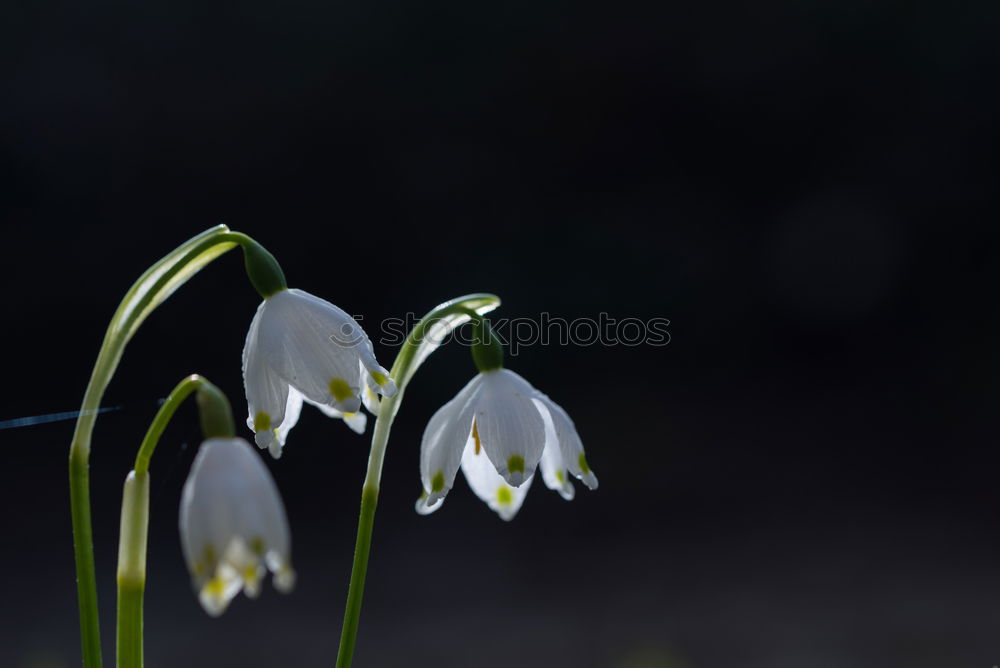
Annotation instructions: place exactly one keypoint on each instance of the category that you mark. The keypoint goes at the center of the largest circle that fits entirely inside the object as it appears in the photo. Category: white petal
(510, 427)
(489, 485)
(377, 376)
(424, 509)
(369, 392)
(217, 592)
(267, 393)
(248, 566)
(552, 466)
(232, 521)
(284, 576)
(356, 421)
(293, 409)
(443, 441)
(275, 448)
(315, 347)
(570, 444)
(370, 400)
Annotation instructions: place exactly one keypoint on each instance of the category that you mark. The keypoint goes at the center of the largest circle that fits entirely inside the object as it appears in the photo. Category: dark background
(805, 477)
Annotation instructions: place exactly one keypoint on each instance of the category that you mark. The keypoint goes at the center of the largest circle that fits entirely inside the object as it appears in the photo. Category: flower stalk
(148, 292)
(422, 340)
(132, 569)
(216, 420)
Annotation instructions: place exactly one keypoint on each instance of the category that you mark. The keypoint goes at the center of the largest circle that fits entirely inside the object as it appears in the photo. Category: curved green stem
(163, 416)
(422, 340)
(135, 512)
(152, 288)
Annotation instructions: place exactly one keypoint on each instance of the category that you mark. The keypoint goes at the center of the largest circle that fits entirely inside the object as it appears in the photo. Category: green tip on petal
(437, 483)
(504, 496)
(261, 421)
(340, 389)
(582, 461)
(379, 378)
(515, 464)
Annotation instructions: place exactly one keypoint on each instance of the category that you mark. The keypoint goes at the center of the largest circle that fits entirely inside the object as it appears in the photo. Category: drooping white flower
(498, 429)
(303, 348)
(233, 524)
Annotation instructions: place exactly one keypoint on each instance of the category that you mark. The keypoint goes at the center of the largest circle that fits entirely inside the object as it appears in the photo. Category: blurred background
(805, 477)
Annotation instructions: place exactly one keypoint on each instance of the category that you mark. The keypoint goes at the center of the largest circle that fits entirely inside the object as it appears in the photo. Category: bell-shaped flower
(233, 524)
(498, 430)
(301, 348)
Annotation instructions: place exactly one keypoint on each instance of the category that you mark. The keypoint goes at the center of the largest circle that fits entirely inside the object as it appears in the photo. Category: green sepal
(216, 414)
(487, 351)
(263, 270)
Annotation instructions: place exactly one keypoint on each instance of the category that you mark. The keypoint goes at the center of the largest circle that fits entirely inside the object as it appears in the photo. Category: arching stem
(426, 336)
(135, 512)
(153, 287)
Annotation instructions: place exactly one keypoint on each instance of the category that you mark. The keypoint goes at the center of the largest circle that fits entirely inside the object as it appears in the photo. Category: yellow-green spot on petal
(475, 436)
(379, 377)
(437, 483)
(261, 421)
(215, 587)
(340, 389)
(515, 464)
(560, 477)
(257, 546)
(504, 496)
(210, 555)
(582, 461)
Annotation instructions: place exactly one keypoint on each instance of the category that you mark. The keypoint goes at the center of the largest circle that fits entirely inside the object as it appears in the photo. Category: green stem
(421, 341)
(152, 288)
(214, 409)
(130, 633)
(83, 548)
(163, 416)
(132, 569)
(355, 593)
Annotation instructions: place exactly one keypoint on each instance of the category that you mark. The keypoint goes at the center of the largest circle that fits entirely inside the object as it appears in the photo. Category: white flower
(233, 524)
(302, 348)
(498, 429)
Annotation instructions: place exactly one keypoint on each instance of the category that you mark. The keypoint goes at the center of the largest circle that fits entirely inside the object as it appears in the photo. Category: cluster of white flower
(498, 430)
